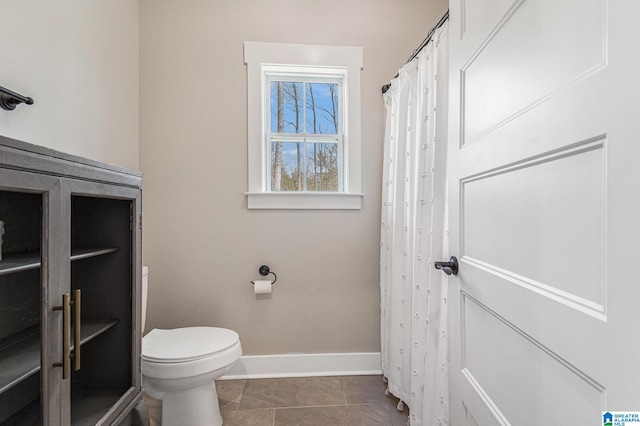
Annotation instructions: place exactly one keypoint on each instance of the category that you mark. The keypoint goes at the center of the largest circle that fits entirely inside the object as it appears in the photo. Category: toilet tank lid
(187, 343)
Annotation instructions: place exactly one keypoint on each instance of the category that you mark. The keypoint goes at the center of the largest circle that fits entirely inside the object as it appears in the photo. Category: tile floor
(309, 401)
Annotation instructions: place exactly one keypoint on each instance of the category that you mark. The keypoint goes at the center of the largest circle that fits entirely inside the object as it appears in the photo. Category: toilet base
(194, 407)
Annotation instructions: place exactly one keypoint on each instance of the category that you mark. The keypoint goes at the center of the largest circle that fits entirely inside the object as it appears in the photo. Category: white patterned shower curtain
(414, 305)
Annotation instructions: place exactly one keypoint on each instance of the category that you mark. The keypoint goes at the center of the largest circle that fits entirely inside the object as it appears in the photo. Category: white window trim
(258, 55)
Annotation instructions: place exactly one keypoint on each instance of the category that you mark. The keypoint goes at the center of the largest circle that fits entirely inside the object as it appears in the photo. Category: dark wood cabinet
(70, 279)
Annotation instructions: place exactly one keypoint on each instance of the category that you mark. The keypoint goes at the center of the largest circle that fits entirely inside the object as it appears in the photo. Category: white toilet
(179, 368)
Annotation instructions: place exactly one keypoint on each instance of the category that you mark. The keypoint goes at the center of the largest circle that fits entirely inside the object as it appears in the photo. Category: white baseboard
(305, 365)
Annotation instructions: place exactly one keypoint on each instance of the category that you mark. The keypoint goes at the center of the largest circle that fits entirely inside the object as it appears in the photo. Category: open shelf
(21, 359)
(26, 260)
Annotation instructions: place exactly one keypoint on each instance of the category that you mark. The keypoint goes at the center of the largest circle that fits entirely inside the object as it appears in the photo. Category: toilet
(179, 369)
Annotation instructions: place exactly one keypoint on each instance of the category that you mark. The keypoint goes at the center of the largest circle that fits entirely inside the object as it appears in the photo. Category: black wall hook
(9, 99)
(264, 271)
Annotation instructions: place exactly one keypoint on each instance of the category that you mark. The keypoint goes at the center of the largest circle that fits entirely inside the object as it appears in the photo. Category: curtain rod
(421, 46)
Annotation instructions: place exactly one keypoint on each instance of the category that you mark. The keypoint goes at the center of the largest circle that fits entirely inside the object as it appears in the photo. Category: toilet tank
(145, 289)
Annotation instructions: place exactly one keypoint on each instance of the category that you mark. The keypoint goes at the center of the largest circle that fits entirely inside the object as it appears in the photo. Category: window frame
(266, 61)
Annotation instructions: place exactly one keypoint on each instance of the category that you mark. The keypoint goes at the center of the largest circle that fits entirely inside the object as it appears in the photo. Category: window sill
(304, 201)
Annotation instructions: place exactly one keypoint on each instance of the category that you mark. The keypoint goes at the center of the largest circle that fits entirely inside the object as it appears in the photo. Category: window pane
(286, 107)
(322, 166)
(286, 166)
(322, 108)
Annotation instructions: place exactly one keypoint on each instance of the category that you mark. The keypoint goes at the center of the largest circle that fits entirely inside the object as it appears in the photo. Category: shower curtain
(414, 235)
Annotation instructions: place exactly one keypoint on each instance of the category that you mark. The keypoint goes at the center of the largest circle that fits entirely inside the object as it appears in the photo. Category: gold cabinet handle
(66, 324)
(76, 329)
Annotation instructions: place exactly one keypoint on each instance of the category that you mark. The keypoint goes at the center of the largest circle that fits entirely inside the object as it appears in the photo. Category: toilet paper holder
(264, 271)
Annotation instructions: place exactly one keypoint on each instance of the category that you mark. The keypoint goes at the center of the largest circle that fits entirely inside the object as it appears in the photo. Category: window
(304, 126)
(304, 135)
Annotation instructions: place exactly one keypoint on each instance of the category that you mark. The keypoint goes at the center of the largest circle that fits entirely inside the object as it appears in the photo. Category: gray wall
(79, 60)
(201, 243)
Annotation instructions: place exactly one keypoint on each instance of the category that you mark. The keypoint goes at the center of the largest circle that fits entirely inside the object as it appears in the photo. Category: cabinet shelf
(20, 261)
(88, 409)
(26, 260)
(21, 359)
(90, 406)
(85, 253)
(93, 328)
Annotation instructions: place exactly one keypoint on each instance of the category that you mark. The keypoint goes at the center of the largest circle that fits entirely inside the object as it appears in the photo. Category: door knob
(450, 267)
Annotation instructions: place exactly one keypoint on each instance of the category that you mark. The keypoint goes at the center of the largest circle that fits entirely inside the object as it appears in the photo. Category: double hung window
(303, 126)
(305, 130)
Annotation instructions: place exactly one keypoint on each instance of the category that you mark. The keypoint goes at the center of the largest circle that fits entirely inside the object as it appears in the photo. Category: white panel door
(544, 204)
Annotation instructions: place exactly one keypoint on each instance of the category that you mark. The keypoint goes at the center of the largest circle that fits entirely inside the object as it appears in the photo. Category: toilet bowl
(179, 369)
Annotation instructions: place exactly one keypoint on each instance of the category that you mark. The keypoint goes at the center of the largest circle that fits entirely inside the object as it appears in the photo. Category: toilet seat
(189, 351)
(186, 344)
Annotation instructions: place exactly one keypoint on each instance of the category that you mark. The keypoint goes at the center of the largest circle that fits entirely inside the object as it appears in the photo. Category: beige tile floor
(309, 401)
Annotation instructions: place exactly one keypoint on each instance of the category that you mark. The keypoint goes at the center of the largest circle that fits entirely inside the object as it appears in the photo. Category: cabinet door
(104, 280)
(30, 328)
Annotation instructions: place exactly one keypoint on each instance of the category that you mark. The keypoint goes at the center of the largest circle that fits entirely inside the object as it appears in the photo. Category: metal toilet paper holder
(264, 271)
